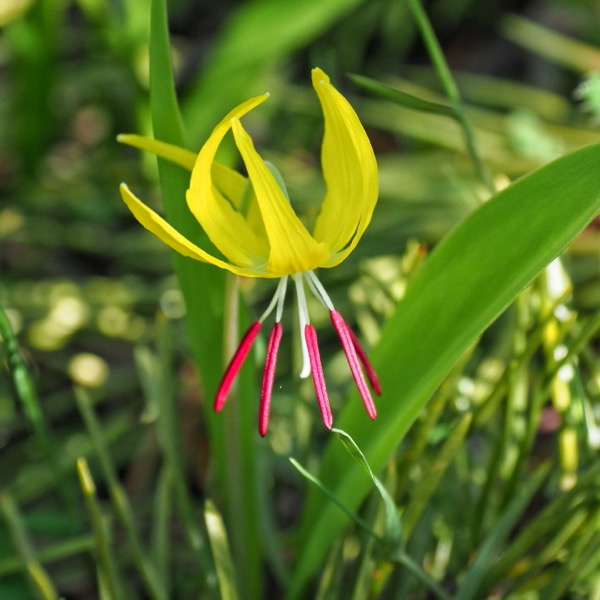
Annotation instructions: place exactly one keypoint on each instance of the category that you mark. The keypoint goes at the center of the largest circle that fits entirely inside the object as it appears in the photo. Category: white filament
(277, 300)
(304, 321)
(318, 290)
(281, 289)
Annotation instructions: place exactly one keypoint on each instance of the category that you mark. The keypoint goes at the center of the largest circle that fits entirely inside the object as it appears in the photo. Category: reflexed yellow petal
(237, 189)
(179, 156)
(226, 228)
(292, 248)
(350, 173)
(230, 183)
(154, 223)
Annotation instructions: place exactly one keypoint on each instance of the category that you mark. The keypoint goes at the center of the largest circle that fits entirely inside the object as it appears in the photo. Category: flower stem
(441, 66)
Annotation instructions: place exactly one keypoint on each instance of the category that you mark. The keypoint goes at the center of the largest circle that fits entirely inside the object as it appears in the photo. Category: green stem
(27, 394)
(239, 456)
(107, 570)
(169, 437)
(68, 549)
(118, 497)
(415, 570)
(38, 577)
(441, 66)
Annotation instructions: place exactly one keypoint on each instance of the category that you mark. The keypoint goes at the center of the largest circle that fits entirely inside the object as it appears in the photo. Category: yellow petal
(229, 182)
(292, 248)
(154, 223)
(210, 200)
(180, 156)
(349, 170)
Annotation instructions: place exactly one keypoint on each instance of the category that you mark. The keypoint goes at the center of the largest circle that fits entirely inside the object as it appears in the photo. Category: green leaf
(314, 480)
(41, 584)
(237, 65)
(203, 288)
(487, 553)
(217, 536)
(381, 90)
(550, 44)
(470, 278)
(393, 530)
(108, 573)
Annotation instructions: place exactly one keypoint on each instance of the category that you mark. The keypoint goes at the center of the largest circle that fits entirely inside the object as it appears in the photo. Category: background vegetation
(479, 479)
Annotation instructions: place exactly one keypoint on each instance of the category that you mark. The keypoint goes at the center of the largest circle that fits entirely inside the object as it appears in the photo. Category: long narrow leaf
(217, 536)
(393, 529)
(281, 26)
(203, 288)
(485, 555)
(471, 277)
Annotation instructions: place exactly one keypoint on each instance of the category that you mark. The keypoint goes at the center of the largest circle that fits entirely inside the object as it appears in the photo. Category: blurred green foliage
(116, 481)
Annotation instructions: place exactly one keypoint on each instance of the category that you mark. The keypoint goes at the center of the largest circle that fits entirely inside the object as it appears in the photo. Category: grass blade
(217, 536)
(119, 498)
(487, 552)
(107, 570)
(39, 579)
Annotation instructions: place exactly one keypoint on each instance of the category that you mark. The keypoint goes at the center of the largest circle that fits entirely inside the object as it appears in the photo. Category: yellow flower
(252, 223)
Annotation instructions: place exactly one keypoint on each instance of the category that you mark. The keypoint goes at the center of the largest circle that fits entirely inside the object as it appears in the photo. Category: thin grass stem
(119, 499)
(441, 66)
(30, 564)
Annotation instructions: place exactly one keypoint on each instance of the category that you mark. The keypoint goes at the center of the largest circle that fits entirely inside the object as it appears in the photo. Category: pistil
(304, 321)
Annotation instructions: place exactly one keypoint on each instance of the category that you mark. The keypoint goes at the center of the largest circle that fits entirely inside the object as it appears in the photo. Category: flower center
(311, 360)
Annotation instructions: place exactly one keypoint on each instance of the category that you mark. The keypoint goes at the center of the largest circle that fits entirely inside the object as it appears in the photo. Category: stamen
(344, 333)
(318, 290)
(362, 355)
(236, 364)
(281, 289)
(304, 321)
(317, 374)
(268, 377)
(277, 299)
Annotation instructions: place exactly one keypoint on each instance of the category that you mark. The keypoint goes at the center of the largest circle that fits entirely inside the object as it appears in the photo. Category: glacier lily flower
(252, 223)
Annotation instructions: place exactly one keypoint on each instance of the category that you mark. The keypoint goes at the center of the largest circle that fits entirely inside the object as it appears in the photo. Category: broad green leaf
(203, 288)
(470, 278)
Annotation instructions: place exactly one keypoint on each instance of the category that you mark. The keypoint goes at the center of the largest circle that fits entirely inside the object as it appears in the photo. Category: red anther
(268, 377)
(317, 374)
(236, 364)
(362, 355)
(345, 335)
